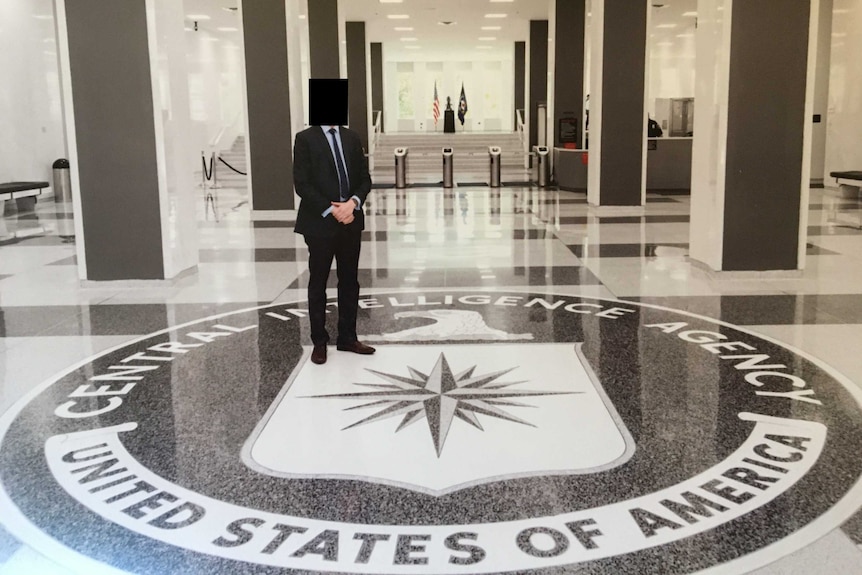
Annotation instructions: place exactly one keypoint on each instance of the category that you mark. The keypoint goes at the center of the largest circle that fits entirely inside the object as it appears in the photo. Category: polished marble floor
(530, 401)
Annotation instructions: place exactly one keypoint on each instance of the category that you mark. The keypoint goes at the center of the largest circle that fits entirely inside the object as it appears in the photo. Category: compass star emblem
(439, 398)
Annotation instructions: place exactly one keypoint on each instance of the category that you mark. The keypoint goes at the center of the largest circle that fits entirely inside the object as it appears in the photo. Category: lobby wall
(487, 84)
(31, 121)
(844, 115)
(216, 82)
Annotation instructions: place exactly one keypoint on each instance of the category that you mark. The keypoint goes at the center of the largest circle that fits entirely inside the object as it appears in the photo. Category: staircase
(471, 161)
(227, 178)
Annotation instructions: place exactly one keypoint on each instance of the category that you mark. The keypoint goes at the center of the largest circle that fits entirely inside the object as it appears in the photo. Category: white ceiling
(468, 17)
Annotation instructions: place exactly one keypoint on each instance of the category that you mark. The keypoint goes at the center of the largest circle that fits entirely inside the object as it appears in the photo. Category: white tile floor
(477, 239)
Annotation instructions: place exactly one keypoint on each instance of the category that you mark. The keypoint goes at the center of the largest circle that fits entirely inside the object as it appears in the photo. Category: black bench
(849, 182)
(23, 192)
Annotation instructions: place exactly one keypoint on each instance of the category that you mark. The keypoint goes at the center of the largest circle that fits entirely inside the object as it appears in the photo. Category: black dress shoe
(357, 347)
(318, 355)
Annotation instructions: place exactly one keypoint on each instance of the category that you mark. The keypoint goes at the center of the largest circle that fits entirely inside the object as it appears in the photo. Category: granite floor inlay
(447, 481)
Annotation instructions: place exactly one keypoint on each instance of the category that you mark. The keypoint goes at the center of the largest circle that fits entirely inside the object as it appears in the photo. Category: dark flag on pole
(462, 105)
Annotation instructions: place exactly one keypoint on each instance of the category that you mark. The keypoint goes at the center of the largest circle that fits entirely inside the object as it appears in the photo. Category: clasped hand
(343, 211)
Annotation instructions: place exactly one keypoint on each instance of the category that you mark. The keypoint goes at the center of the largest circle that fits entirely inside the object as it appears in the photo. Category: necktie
(343, 185)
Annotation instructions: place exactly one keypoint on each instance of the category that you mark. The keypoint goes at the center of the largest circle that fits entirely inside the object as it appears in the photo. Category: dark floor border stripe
(105, 319)
(257, 255)
(779, 309)
(466, 277)
(853, 528)
(8, 546)
(669, 192)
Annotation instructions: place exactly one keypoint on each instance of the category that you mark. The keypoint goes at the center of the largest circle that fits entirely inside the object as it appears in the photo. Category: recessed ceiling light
(689, 35)
(491, 27)
(841, 11)
(397, 16)
(187, 29)
(197, 17)
(689, 13)
(487, 38)
(666, 26)
(408, 39)
(413, 47)
(404, 28)
(839, 34)
(665, 43)
(43, 17)
(501, 1)
(495, 15)
(227, 29)
(391, 1)
(302, 16)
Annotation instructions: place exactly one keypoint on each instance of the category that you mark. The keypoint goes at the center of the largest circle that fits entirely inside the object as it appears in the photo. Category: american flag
(436, 105)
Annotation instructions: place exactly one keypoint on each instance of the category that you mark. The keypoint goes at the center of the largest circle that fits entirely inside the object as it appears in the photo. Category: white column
(596, 52)
(176, 155)
(712, 71)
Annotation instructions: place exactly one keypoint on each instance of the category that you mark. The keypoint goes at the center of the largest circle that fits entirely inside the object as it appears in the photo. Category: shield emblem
(436, 418)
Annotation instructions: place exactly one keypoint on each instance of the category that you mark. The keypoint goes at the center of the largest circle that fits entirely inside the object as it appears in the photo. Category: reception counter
(668, 166)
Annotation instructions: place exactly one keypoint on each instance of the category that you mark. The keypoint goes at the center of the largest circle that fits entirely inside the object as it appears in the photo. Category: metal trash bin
(400, 168)
(495, 155)
(62, 181)
(543, 166)
(63, 200)
(448, 167)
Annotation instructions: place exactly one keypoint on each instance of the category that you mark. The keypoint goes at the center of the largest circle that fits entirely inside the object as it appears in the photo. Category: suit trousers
(344, 246)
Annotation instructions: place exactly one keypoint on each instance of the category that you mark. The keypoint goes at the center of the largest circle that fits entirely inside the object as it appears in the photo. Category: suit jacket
(315, 178)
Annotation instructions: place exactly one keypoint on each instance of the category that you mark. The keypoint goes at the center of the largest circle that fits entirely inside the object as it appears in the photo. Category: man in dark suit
(331, 177)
